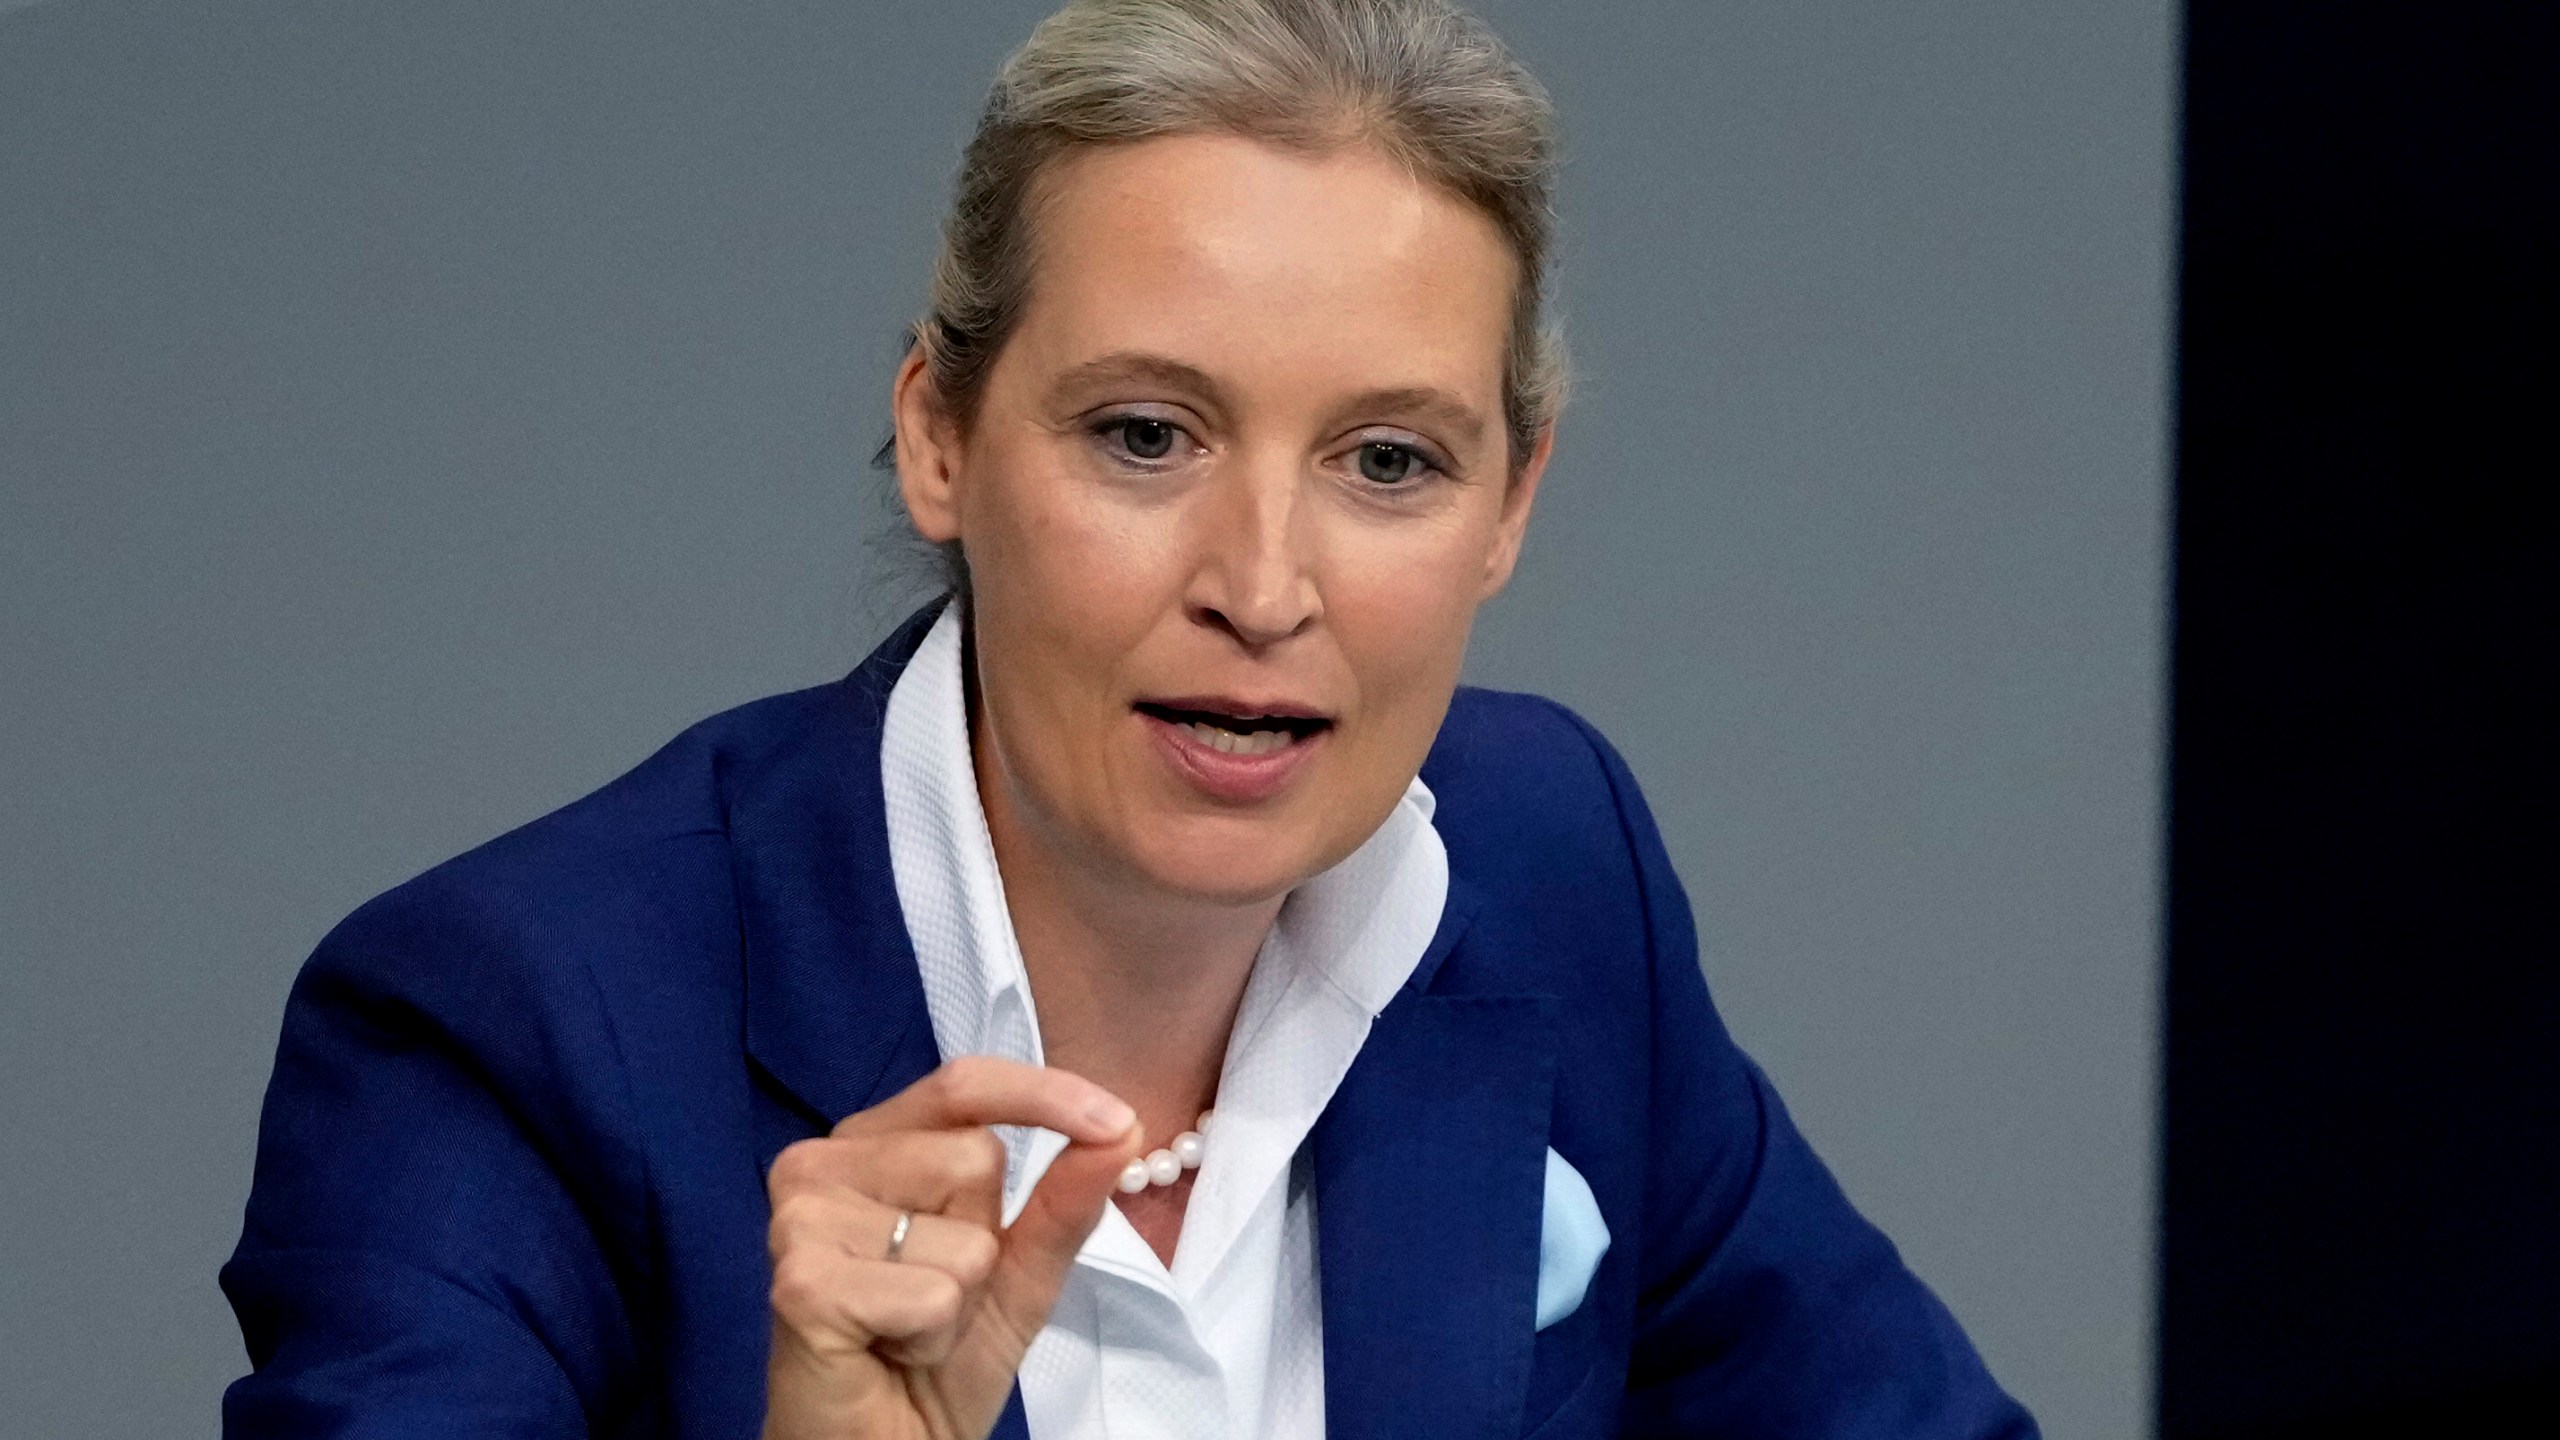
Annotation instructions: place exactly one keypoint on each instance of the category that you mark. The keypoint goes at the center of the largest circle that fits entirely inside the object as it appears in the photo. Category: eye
(1144, 436)
(1384, 463)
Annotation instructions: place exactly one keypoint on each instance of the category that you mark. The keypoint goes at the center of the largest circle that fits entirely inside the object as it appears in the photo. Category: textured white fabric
(1229, 1343)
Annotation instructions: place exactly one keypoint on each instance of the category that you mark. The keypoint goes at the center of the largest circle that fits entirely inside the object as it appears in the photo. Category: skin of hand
(925, 1347)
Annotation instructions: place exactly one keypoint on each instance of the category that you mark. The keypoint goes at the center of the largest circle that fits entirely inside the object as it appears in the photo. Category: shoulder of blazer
(1520, 756)
(1543, 830)
(647, 849)
(565, 870)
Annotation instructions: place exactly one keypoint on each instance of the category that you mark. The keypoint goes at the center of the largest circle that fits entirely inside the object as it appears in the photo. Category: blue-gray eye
(1383, 464)
(1146, 438)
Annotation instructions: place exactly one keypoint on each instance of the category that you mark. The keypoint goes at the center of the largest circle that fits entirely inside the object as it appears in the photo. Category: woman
(849, 1068)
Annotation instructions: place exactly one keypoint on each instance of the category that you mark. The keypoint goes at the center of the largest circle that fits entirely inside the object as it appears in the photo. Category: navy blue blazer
(510, 1175)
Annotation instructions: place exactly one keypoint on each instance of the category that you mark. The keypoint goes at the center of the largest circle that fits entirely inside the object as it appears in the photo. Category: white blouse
(1229, 1341)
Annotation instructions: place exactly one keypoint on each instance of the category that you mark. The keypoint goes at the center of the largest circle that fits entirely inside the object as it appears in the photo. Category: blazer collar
(835, 1011)
(1430, 1174)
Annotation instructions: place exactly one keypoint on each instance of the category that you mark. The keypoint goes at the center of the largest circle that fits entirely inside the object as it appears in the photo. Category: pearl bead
(1207, 1118)
(1163, 1167)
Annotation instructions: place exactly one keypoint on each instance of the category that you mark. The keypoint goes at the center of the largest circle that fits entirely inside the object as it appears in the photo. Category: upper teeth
(1251, 742)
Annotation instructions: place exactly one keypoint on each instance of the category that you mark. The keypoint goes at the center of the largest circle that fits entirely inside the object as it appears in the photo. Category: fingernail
(1110, 1116)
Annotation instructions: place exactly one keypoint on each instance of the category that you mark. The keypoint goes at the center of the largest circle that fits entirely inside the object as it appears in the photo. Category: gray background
(410, 415)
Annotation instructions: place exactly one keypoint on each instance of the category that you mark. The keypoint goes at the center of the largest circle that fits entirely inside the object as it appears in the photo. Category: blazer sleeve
(1767, 1305)
(421, 1254)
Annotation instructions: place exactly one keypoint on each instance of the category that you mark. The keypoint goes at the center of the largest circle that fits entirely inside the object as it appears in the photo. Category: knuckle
(978, 1158)
(800, 1217)
(799, 1288)
(785, 1173)
(791, 1213)
(938, 1298)
(960, 1078)
(798, 1166)
(973, 1256)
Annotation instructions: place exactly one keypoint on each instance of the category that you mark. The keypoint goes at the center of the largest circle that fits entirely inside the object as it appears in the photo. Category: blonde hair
(1422, 80)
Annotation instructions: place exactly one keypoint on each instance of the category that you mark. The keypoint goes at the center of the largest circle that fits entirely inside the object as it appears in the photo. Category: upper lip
(1237, 707)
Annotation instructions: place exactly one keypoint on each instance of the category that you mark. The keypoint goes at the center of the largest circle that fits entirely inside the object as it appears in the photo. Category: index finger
(982, 1090)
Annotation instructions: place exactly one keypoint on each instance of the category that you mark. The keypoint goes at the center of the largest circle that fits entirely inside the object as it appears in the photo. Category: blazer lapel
(1430, 1173)
(835, 1005)
(835, 1009)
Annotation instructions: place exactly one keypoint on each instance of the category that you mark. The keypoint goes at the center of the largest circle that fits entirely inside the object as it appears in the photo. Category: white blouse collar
(1359, 927)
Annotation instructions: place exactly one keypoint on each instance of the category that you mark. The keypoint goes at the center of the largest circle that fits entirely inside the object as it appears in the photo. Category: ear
(1514, 522)
(928, 451)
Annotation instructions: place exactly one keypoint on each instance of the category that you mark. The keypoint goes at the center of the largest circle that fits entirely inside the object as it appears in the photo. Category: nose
(1255, 542)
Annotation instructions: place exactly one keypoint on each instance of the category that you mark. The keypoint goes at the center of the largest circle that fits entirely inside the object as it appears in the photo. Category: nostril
(1258, 627)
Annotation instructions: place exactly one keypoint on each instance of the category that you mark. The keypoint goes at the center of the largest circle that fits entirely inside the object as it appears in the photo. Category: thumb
(1041, 1244)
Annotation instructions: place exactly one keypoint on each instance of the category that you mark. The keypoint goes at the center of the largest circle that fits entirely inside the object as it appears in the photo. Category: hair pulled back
(1422, 80)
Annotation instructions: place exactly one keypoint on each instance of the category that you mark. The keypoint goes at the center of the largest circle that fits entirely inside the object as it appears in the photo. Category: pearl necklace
(1163, 1167)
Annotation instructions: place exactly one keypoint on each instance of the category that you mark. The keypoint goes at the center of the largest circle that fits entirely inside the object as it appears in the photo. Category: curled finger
(835, 1302)
(957, 1172)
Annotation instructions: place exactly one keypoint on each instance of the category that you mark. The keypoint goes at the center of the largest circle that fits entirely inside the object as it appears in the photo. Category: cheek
(1403, 615)
(1067, 589)
(1061, 580)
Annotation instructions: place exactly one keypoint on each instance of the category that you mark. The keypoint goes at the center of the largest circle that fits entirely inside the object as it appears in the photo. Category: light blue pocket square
(1570, 1241)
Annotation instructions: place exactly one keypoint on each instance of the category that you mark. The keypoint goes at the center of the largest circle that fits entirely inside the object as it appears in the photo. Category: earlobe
(926, 453)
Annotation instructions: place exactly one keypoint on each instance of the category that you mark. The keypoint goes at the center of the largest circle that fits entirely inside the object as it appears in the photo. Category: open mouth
(1245, 735)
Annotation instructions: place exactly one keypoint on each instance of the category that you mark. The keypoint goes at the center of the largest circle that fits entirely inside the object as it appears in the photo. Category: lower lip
(1237, 779)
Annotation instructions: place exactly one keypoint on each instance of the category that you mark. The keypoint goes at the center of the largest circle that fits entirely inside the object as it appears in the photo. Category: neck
(1138, 997)
(1136, 990)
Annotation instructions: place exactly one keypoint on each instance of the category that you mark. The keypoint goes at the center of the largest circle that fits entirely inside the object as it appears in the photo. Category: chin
(1227, 862)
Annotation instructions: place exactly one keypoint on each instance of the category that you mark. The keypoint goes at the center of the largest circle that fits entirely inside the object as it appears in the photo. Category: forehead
(1334, 269)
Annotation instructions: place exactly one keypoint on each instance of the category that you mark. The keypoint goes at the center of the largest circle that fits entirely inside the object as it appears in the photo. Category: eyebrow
(1136, 367)
(1423, 402)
